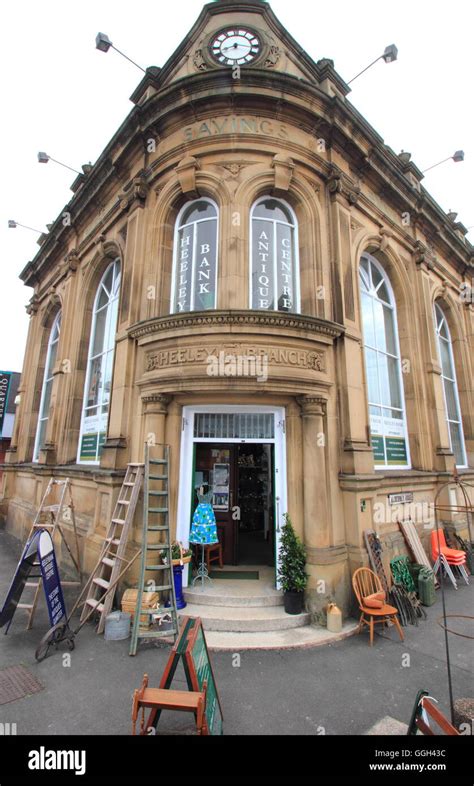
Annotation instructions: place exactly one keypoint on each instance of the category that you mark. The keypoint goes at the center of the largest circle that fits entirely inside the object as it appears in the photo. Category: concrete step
(237, 619)
(217, 596)
(295, 638)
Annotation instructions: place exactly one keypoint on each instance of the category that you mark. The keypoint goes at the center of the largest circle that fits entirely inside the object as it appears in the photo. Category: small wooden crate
(149, 601)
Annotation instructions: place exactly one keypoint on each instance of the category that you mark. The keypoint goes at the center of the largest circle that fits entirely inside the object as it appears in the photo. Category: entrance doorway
(241, 477)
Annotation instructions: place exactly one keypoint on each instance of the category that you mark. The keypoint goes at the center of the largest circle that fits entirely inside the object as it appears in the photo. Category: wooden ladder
(54, 513)
(112, 556)
(155, 520)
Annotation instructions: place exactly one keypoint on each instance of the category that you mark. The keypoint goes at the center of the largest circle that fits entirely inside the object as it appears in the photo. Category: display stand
(202, 572)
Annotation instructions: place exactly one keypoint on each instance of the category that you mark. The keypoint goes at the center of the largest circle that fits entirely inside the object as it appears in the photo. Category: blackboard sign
(191, 647)
(51, 581)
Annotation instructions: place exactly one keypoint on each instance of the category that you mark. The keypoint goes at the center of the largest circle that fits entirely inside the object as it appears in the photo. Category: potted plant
(291, 571)
(179, 557)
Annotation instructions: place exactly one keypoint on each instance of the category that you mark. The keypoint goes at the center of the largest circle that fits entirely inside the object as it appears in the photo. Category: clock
(235, 46)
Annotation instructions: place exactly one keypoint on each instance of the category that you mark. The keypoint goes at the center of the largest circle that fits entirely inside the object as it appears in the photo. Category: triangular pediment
(247, 32)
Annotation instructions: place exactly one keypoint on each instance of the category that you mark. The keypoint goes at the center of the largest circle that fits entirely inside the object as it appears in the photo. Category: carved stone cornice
(284, 168)
(156, 402)
(33, 306)
(423, 256)
(338, 183)
(247, 318)
(186, 173)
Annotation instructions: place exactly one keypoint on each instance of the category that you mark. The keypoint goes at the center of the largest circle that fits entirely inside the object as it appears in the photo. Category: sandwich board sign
(38, 552)
(191, 648)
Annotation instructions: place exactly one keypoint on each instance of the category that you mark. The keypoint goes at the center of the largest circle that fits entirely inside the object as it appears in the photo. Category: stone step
(239, 619)
(217, 596)
(294, 638)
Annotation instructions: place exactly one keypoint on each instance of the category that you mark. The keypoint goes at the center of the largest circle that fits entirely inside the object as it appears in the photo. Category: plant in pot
(291, 571)
(180, 556)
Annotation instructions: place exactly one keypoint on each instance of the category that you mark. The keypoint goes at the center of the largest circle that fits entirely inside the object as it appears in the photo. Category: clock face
(235, 46)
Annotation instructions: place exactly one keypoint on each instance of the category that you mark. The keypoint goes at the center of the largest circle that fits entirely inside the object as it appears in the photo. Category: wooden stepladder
(49, 517)
(156, 538)
(112, 557)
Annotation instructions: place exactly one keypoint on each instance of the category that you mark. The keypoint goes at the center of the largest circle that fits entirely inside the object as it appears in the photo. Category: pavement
(339, 688)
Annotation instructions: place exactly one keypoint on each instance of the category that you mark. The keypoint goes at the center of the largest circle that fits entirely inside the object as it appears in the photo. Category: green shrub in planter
(291, 571)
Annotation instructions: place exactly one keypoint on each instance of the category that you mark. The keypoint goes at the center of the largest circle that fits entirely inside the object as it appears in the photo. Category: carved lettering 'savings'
(280, 356)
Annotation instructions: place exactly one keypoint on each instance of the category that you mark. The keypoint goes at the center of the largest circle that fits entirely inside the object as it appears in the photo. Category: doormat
(244, 575)
(16, 683)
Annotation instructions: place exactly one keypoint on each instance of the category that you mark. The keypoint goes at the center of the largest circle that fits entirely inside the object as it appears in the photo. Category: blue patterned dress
(203, 527)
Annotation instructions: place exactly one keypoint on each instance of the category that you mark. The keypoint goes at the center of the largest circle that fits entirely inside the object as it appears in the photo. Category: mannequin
(203, 527)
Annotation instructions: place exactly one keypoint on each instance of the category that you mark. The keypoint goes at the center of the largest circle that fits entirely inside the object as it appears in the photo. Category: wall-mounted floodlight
(14, 224)
(458, 156)
(103, 44)
(43, 158)
(389, 56)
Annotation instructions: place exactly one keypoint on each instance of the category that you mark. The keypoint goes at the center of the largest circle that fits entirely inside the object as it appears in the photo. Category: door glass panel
(234, 426)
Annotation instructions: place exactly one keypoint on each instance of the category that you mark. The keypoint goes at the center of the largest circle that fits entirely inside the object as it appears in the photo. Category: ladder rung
(158, 528)
(109, 562)
(158, 461)
(43, 526)
(158, 546)
(95, 604)
(124, 502)
(32, 584)
(49, 508)
(114, 541)
(157, 567)
(136, 465)
(158, 477)
(158, 510)
(118, 521)
(101, 583)
(128, 483)
(25, 606)
(158, 493)
(156, 634)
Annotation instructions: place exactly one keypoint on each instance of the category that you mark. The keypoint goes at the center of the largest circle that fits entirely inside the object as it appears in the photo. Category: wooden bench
(163, 699)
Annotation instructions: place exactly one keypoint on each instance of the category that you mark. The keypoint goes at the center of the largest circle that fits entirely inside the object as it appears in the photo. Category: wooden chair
(424, 703)
(163, 699)
(365, 582)
(213, 553)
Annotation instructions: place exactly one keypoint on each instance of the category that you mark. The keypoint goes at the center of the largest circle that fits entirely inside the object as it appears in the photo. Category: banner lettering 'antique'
(4, 387)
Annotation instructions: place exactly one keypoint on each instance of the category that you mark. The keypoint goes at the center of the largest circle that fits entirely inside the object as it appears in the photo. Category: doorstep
(292, 639)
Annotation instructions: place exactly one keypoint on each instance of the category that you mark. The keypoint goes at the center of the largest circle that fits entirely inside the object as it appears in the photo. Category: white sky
(62, 96)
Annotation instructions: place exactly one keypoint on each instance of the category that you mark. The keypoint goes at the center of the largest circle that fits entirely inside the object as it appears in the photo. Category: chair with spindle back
(365, 582)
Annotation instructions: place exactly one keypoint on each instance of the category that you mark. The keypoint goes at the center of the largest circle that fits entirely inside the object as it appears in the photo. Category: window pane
(197, 212)
(377, 277)
(271, 208)
(451, 404)
(382, 293)
(108, 280)
(111, 326)
(205, 266)
(52, 359)
(368, 320)
(286, 294)
(184, 267)
(99, 333)
(445, 358)
(41, 434)
(457, 443)
(372, 377)
(263, 280)
(389, 384)
(107, 383)
(92, 398)
(364, 265)
(47, 398)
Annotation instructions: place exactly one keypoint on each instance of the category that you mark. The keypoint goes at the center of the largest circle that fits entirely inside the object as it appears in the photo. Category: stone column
(315, 481)
(155, 408)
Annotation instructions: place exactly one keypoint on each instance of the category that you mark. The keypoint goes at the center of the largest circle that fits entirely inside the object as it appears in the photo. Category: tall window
(383, 368)
(47, 386)
(450, 387)
(99, 367)
(274, 282)
(195, 258)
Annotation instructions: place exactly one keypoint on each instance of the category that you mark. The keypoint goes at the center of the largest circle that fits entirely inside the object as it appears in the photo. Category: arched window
(450, 388)
(274, 277)
(47, 386)
(99, 367)
(195, 258)
(383, 368)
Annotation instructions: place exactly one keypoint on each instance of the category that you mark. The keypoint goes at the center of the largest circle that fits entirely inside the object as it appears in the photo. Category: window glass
(383, 367)
(98, 383)
(45, 401)
(451, 394)
(274, 268)
(195, 258)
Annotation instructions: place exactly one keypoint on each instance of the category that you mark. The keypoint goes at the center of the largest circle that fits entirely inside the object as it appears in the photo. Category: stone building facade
(248, 270)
